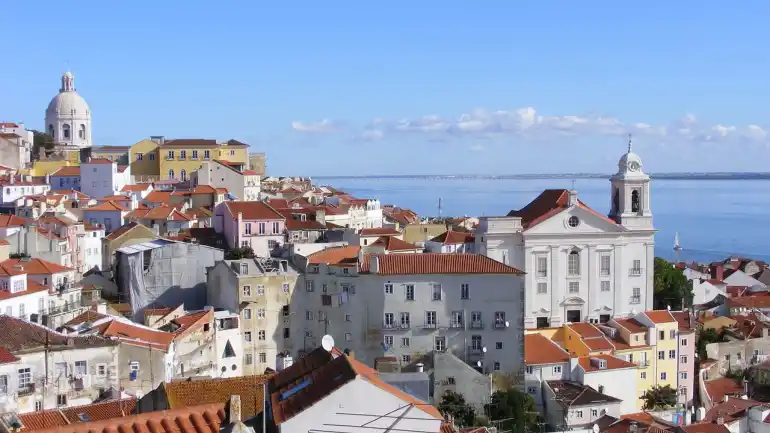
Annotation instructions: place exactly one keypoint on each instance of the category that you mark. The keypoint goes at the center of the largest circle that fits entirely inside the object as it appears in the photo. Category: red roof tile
(253, 210)
(67, 171)
(435, 263)
(451, 237)
(540, 350)
(184, 393)
(660, 316)
(99, 161)
(392, 243)
(158, 197)
(31, 266)
(549, 203)
(72, 415)
(718, 388)
(20, 335)
(136, 335)
(344, 255)
(109, 205)
(631, 325)
(383, 231)
(12, 221)
(611, 363)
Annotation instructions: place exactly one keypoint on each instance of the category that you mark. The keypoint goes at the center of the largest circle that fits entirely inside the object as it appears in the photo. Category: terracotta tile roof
(191, 322)
(18, 180)
(158, 197)
(631, 325)
(279, 203)
(12, 221)
(56, 221)
(705, 427)
(6, 357)
(135, 334)
(540, 350)
(253, 210)
(345, 256)
(383, 231)
(109, 205)
(451, 237)
(392, 243)
(89, 316)
(549, 203)
(163, 212)
(400, 215)
(435, 263)
(32, 266)
(98, 161)
(136, 188)
(732, 409)
(660, 316)
(250, 173)
(324, 373)
(190, 393)
(198, 419)
(78, 414)
(683, 318)
(22, 335)
(756, 301)
(586, 330)
(576, 394)
(157, 311)
(192, 142)
(67, 171)
(717, 389)
(8, 125)
(70, 193)
(110, 149)
(293, 224)
(32, 287)
(611, 363)
(120, 198)
(331, 210)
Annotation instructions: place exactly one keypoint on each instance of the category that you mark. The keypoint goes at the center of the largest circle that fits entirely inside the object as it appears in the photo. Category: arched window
(635, 207)
(573, 263)
(183, 175)
(51, 131)
(82, 131)
(65, 131)
(615, 202)
(170, 173)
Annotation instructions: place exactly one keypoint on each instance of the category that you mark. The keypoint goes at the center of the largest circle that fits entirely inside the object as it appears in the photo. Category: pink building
(250, 224)
(687, 375)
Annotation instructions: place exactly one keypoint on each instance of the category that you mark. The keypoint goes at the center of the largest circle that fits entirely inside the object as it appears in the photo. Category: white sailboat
(677, 247)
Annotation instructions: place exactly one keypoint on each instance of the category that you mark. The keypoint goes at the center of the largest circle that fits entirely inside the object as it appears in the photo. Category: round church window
(573, 221)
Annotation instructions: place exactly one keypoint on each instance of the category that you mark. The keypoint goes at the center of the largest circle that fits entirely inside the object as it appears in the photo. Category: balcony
(476, 325)
(500, 324)
(642, 364)
(25, 390)
(635, 300)
(635, 272)
(433, 325)
(475, 350)
(404, 326)
(456, 325)
(388, 326)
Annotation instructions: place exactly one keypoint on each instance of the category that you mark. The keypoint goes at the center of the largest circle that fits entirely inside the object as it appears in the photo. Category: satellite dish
(484, 349)
(478, 363)
(507, 324)
(327, 342)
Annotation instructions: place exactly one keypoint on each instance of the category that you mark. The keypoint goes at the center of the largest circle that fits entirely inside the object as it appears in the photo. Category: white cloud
(324, 126)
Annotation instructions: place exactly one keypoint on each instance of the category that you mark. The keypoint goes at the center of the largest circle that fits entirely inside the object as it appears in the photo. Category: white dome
(627, 159)
(69, 104)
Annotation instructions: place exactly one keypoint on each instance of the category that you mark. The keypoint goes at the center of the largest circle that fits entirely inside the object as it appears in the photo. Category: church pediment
(603, 308)
(576, 220)
(574, 300)
(541, 311)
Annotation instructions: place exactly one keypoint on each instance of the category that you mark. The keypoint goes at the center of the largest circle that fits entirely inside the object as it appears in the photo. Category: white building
(20, 296)
(610, 376)
(69, 372)
(580, 265)
(92, 247)
(219, 175)
(571, 405)
(108, 214)
(68, 118)
(100, 177)
(66, 178)
(21, 140)
(16, 186)
(464, 303)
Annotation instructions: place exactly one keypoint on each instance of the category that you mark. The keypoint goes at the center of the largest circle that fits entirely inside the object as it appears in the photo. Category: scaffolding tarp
(163, 272)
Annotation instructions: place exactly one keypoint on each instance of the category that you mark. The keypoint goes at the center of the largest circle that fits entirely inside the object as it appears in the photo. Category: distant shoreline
(666, 176)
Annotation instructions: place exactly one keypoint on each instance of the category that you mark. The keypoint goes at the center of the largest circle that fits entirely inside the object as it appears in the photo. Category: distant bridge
(667, 176)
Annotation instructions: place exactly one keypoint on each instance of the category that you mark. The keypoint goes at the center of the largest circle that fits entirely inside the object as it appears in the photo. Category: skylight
(291, 391)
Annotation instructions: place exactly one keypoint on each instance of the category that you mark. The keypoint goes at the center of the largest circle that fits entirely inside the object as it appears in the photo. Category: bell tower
(630, 193)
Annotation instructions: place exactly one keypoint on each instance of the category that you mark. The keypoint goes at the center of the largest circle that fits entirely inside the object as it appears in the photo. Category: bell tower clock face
(633, 166)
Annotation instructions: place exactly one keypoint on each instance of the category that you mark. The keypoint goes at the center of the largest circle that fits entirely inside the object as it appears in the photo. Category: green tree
(659, 397)
(454, 404)
(671, 286)
(513, 410)
(40, 140)
(705, 337)
(240, 253)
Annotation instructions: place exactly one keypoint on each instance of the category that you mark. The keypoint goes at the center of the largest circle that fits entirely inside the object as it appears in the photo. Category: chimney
(47, 179)
(12, 179)
(573, 197)
(235, 409)
(420, 367)
(134, 203)
(374, 264)
(720, 419)
(717, 272)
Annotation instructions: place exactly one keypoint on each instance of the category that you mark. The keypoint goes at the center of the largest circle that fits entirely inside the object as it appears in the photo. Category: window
(661, 335)
(388, 340)
(574, 286)
(605, 264)
(247, 228)
(25, 377)
(636, 295)
(636, 267)
(308, 315)
(388, 289)
(672, 334)
(457, 319)
(684, 341)
(65, 131)
(405, 342)
(260, 313)
(170, 173)
(348, 318)
(261, 335)
(496, 366)
(661, 354)
(410, 292)
(663, 376)
(101, 370)
(261, 228)
(182, 154)
(309, 285)
(406, 359)
(81, 368)
(573, 264)
(348, 336)
(285, 287)
(3, 384)
(249, 359)
(605, 285)
(542, 266)
(206, 154)
(430, 319)
(247, 336)
(61, 399)
(439, 344)
(133, 366)
(499, 345)
(499, 319)
(247, 313)
(465, 291)
(594, 413)
(389, 320)
(683, 360)
(276, 227)
(262, 357)
(476, 319)
(152, 156)
(139, 156)
(683, 375)
(557, 369)
(529, 369)
(573, 221)
(437, 292)
(246, 290)
(285, 311)
(672, 354)
(260, 290)
(542, 288)
(643, 375)
(476, 343)
(194, 154)
(578, 414)
(405, 320)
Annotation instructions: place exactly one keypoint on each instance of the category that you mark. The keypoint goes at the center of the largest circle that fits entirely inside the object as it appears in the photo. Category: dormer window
(244, 268)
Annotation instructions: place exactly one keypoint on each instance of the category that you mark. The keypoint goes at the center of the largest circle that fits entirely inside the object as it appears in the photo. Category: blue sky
(348, 87)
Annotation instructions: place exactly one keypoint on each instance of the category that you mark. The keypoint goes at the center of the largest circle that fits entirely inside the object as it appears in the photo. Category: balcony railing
(456, 325)
(433, 325)
(500, 324)
(475, 350)
(404, 325)
(476, 325)
(643, 364)
(635, 300)
(26, 389)
(635, 272)
(388, 326)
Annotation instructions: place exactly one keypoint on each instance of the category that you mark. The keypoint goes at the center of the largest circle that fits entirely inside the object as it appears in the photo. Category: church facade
(580, 265)
(68, 117)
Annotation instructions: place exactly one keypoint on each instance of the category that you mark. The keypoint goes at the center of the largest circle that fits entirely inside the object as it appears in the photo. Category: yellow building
(664, 341)
(119, 154)
(631, 345)
(157, 158)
